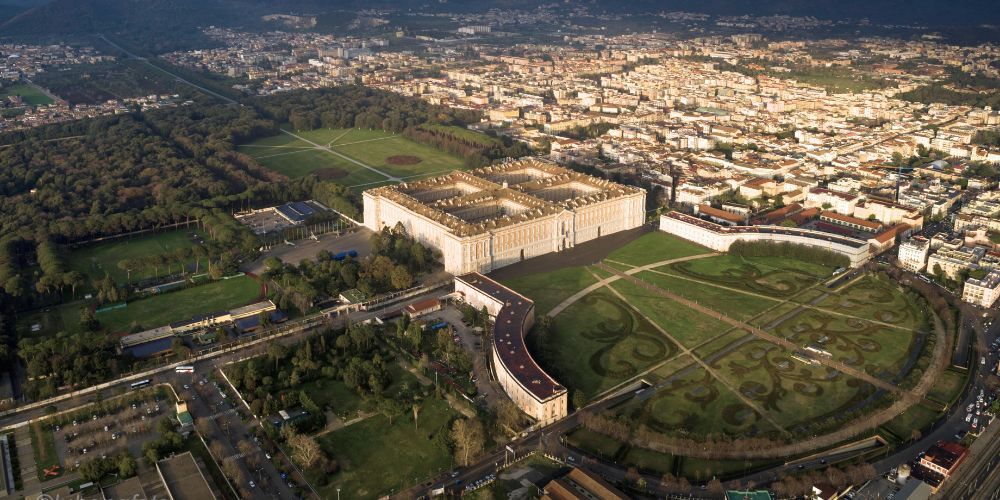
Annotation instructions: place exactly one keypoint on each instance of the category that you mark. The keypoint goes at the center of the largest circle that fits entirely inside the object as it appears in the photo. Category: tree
(668, 482)
(400, 277)
(73, 279)
(469, 438)
(88, 319)
(245, 448)
(390, 408)
(508, 415)
(305, 450)
(579, 399)
(715, 486)
(218, 450)
(126, 465)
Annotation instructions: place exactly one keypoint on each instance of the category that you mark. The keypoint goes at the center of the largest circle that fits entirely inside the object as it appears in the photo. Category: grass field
(603, 343)
(948, 387)
(96, 260)
(655, 247)
(731, 302)
(31, 95)
(753, 388)
(915, 418)
(376, 457)
(688, 326)
(159, 310)
(547, 290)
(394, 155)
(44, 446)
(594, 443)
(345, 402)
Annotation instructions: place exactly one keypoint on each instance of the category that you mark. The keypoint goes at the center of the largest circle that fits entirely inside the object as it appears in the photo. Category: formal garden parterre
(715, 382)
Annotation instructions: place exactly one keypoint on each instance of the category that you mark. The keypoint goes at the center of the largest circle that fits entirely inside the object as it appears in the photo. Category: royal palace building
(502, 214)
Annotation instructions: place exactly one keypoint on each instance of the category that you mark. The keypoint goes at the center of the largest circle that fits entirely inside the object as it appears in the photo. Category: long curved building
(527, 384)
(719, 237)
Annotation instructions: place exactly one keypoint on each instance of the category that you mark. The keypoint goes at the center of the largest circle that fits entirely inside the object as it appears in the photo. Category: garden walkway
(711, 371)
(607, 281)
(791, 346)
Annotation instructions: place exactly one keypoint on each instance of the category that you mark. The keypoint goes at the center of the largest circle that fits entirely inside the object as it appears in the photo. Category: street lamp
(338, 493)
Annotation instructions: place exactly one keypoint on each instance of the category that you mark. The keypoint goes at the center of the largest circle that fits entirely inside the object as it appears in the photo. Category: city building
(527, 384)
(982, 292)
(939, 462)
(183, 478)
(913, 253)
(719, 238)
(503, 214)
(581, 484)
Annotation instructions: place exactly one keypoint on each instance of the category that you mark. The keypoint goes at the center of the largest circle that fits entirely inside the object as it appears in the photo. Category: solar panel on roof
(302, 208)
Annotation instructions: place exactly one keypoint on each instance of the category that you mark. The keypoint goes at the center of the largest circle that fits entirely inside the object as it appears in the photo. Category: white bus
(140, 384)
(184, 369)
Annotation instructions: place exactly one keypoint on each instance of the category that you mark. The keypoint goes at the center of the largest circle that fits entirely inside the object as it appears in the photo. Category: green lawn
(96, 260)
(791, 392)
(376, 457)
(693, 402)
(947, 387)
(599, 342)
(877, 349)
(334, 394)
(547, 290)
(649, 461)
(31, 95)
(44, 446)
(687, 325)
(392, 154)
(594, 443)
(771, 276)
(654, 247)
(52, 320)
(737, 305)
(159, 310)
(916, 417)
(384, 154)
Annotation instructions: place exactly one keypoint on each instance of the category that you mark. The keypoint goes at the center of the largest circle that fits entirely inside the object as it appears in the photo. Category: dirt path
(858, 426)
(791, 346)
(601, 283)
(388, 177)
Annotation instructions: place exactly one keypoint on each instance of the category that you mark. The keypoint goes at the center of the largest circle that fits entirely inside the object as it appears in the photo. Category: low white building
(982, 292)
(913, 253)
(720, 238)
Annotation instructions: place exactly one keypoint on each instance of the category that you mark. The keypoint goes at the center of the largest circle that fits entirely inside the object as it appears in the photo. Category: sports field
(151, 256)
(352, 157)
(643, 316)
(163, 309)
(31, 95)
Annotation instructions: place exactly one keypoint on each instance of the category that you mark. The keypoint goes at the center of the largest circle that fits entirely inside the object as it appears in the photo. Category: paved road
(226, 428)
(161, 70)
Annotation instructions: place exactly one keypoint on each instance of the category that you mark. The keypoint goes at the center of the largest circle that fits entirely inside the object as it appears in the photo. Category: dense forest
(356, 106)
(97, 83)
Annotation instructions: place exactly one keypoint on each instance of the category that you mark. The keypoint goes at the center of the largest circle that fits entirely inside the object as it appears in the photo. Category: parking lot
(106, 429)
(488, 391)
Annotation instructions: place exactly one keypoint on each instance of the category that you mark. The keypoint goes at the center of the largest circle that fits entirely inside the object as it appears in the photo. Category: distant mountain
(89, 16)
(168, 20)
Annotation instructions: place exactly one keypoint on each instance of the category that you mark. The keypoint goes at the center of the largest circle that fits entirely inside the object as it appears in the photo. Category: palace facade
(502, 214)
